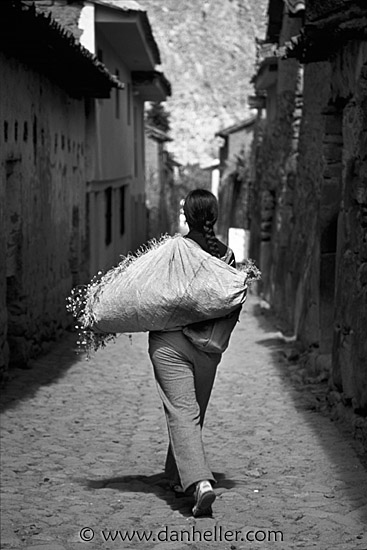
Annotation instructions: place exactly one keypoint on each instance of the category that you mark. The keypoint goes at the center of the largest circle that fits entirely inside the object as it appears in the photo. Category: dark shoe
(204, 513)
(204, 498)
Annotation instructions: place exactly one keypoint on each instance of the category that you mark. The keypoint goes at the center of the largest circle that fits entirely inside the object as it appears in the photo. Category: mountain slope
(208, 54)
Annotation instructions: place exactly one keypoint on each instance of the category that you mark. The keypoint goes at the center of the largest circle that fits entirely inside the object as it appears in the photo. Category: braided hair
(201, 212)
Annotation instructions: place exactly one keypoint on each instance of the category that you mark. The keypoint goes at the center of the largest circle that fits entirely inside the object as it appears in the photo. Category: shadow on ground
(157, 484)
(44, 370)
(309, 394)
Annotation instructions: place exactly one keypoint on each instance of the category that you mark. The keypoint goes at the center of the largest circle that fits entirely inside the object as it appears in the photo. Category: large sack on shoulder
(171, 284)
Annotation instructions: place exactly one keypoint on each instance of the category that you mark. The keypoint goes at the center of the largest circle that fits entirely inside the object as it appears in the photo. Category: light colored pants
(185, 377)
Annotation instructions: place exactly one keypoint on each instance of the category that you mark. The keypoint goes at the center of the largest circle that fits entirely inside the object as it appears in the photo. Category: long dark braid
(201, 212)
(211, 241)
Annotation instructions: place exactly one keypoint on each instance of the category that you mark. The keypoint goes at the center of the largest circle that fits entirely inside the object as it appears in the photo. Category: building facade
(278, 87)
(75, 76)
(119, 34)
(333, 184)
(45, 162)
(310, 157)
(160, 184)
(235, 185)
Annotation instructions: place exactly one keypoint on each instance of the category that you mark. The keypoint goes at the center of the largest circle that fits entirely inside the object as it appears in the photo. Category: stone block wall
(310, 201)
(328, 8)
(255, 170)
(330, 236)
(305, 242)
(42, 233)
(350, 332)
(276, 157)
(65, 12)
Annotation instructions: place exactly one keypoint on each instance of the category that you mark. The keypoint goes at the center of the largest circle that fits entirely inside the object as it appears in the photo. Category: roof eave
(319, 43)
(237, 127)
(157, 134)
(44, 45)
(151, 85)
(143, 54)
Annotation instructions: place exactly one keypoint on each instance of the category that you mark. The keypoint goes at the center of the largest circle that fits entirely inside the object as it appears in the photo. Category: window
(128, 103)
(108, 215)
(136, 148)
(117, 96)
(122, 210)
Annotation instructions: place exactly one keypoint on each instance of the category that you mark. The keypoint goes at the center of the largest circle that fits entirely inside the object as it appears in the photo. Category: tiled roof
(237, 127)
(320, 40)
(156, 133)
(40, 42)
(67, 15)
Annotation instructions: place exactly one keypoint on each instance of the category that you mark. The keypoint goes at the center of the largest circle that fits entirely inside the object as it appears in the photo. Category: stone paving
(83, 444)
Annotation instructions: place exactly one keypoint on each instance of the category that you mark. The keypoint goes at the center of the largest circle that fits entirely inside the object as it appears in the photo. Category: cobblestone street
(83, 445)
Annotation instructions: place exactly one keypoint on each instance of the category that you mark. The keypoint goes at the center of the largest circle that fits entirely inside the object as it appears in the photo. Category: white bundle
(169, 285)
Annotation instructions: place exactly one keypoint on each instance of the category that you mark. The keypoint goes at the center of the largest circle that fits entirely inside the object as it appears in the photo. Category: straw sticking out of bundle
(165, 285)
(81, 298)
(252, 272)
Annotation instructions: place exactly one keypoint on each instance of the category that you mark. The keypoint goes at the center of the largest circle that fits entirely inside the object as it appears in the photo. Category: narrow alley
(83, 446)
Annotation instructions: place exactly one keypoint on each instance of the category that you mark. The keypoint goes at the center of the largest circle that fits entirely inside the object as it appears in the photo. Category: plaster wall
(153, 156)
(117, 185)
(42, 182)
(115, 119)
(239, 142)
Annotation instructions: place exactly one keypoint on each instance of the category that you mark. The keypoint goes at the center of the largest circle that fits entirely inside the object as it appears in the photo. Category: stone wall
(309, 226)
(329, 240)
(327, 8)
(255, 191)
(42, 233)
(275, 184)
(64, 12)
(305, 241)
(350, 333)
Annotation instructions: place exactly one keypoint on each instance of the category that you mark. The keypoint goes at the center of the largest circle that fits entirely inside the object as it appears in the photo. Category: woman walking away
(185, 374)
